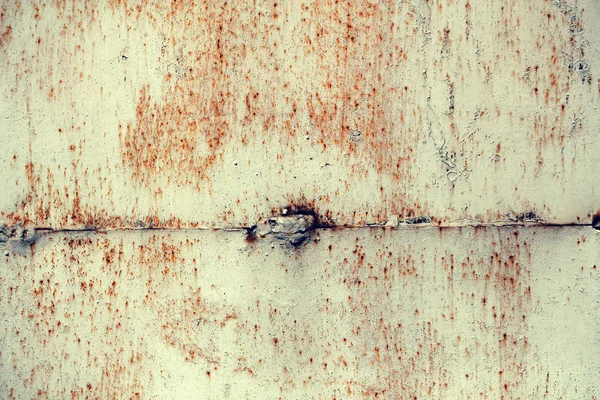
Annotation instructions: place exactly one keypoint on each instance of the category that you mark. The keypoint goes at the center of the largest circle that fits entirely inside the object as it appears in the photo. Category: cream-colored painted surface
(133, 113)
(480, 313)
(300, 200)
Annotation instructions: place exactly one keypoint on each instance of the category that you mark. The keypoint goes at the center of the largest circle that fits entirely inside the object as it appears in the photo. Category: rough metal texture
(482, 313)
(319, 199)
(183, 114)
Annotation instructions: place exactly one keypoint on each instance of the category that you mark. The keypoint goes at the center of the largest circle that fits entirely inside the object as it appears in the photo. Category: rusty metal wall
(319, 199)
(423, 312)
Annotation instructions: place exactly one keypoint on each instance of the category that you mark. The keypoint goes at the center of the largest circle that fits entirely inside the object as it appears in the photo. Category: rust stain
(350, 109)
(357, 84)
(350, 79)
(185, 132)
(189, 325)
(393, 314)
(502, 278)
(45, 198)
(8, 13)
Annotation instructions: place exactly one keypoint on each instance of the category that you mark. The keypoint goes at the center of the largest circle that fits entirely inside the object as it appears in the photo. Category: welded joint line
(401, 226)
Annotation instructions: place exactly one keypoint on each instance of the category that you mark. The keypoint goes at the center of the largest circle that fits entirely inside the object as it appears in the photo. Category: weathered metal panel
(484, 313)
(128, 113)
(400, 194)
